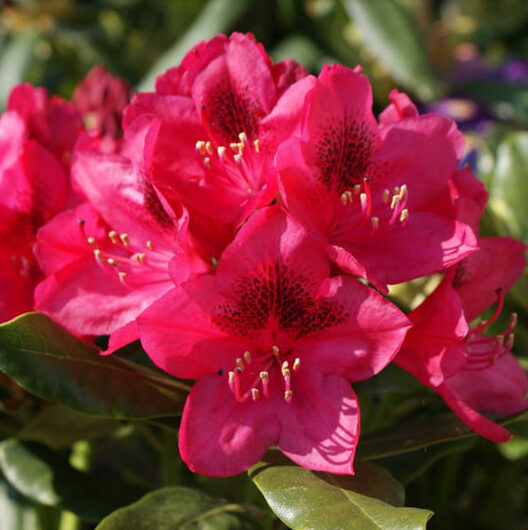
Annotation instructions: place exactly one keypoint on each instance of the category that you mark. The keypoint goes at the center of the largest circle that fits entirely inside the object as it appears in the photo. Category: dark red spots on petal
(154, 207)
(229, 112)
(343, 154)
(461, 275)
(279, 299)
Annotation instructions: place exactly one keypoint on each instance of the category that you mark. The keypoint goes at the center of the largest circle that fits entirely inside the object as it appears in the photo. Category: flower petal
(320, 424)
(221, 437)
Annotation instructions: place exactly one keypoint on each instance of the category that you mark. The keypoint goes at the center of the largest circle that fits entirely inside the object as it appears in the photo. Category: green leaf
(304, 499)
(391, 35)
(16, 511)
(218, 16)
(178, 507)
(410, 466)
(45, 477)
(14, 59)
(51, 363)
(59, 427)
(412, 435)
(509, 185)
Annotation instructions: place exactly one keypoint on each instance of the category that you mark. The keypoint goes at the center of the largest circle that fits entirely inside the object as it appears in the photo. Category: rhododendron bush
(226, 265)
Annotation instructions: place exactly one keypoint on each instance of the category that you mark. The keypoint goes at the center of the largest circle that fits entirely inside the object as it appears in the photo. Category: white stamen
(296, 364)
(113, 237)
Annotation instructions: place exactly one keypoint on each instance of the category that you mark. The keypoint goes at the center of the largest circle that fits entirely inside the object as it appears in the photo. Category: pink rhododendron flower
(379, 196)
(101, 98)
(273, 342)
(469, 369)
(109, 259)
(223, 112)
(36, 136)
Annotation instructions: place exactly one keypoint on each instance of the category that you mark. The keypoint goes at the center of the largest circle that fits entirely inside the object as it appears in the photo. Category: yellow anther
(231, 376)
(237, 158)
(375, 222)
(247, 357)
(150, 245)
(243, 138)
(97, 254)
(385, 196)
(395, 201)
(207, 162)
(122, 276)
(347, 197)
(296, 364)
(221, 152)
(285, 365)
(275, 350)
(363, 200)
(139, 257)
(264, 376)
(255, 394)
(209, 148)
(235, 147)
(403, 191)
(200, 147)
(404, 214)
(256, 145)
(239, 364)
(113, 237)
(124, 240)
(286, 373)
(288, 395)
(111, 261)
(91, 241)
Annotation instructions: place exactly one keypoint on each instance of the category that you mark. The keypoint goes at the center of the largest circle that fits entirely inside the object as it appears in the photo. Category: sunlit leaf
(15, 55)
(304, 499)
(217, 16)
(509, 185)
(391, 35)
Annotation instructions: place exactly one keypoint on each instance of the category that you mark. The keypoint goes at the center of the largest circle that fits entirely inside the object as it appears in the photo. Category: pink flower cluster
(246, 228)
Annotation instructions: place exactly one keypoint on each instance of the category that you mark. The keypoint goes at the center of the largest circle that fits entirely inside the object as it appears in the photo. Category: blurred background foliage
(464, 58)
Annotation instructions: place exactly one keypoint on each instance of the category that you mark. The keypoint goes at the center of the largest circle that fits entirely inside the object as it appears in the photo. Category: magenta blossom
(472, 371)
(111, 257)
(273, 342)
(101, 98)
(36, 136)
(378, 196)
(223, 112)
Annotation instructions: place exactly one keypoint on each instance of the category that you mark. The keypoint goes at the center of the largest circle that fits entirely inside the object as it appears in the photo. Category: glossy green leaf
(43, 476)
(509, 185)
(304, 499)
(391, 35)
(178, 507)
(51, 363)
(217, 16)
(59, 427)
